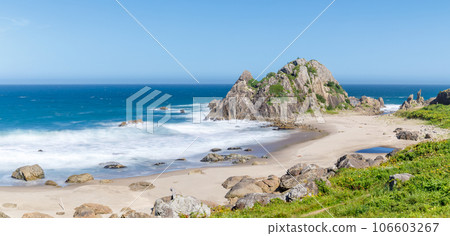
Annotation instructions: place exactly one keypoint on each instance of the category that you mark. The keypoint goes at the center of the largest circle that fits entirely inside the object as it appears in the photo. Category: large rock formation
(443, 97)
(178, 205)
(297, 87)
(418, 102)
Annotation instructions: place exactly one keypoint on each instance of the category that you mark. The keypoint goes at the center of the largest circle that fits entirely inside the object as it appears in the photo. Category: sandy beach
(346, 133)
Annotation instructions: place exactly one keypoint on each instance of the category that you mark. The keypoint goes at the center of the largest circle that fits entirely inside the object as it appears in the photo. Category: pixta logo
(150, 101)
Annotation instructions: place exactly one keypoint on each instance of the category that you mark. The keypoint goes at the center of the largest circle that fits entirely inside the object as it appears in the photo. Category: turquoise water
(76, 127)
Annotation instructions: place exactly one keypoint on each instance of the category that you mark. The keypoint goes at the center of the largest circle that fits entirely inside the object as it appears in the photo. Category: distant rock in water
(418, 102)
(300, 86)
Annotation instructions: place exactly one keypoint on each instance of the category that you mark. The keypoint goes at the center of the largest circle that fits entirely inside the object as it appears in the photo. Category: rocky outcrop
(406, 134)
(358, 161)
(233, 180)
(244, 187)
(78, 179)
(302, 173)
(367, 105)
(236, 158)
(141, 186)
(213, 157)
(249, 200)
(178, 205)
(443, 97)
(269, 184)
(416, 103)
(301, 190)
(29, 173)
(298, 86)
(393, 179)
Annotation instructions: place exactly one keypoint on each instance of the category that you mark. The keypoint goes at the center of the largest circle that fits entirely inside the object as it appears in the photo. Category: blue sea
(76, 127)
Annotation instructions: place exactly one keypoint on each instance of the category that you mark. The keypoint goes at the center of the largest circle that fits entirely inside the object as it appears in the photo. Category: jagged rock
(270, 184)
(443, 97)
(82, 178)
(302, 173)
(233, 180)
(216, 150)
(249, 200)
(3, 215)
(302, 190)
(29, 173)
(213, 157)
(393, 179)
(418, 102)
(245, 186)
(173, 207)
(307, 84)
(141, 186)
(51, 183)
(353, 160)
(407, 135)
(36, 215)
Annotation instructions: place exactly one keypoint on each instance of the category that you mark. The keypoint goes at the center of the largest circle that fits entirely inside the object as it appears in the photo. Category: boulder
(212, 157)
(36, 215)
(141, 186)
(393, 179)
(302, 190)
(238, 158)
(393, 152)
(3, 215)
(82, 178)
(245, 186)
(29, 173)
(233, 180)
(178, 205)
(443, 97)
(302, 173)
(249, 200)
(216, 150)
(91, 210)
(376, 161)
(407, 135)
(270, 184)
(51, 183)
(353, 160)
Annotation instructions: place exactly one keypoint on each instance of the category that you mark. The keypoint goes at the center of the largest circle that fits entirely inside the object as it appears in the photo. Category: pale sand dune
(346, 133)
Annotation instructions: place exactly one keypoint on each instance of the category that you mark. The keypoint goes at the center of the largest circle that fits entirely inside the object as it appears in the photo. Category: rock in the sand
(36, 215)
(9, 205)
(178, 205)
(114, 165)
(353, 160)
(193, 172)
(238, 158)
(213, 157)
(130, 213)
(407, 135)
(91, 210)
(270, 184)
(393, 179)
(233, 180)
(3, 215)
(51, 183)
(302, 190)
(60, 213)
(106, 181)
(234, 148)
(216, 150)
(141, 186)
(249, 200)
(257, 163)
(428, 136)
(78, 179)
(245, 186)
(29, 173)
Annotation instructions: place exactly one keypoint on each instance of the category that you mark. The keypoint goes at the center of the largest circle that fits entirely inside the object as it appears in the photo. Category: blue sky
(85, 41)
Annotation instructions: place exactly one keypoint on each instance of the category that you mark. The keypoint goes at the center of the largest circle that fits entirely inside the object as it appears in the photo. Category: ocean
(76, 127)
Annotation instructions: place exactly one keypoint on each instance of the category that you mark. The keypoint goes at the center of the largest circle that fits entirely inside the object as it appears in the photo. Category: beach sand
(346, 133)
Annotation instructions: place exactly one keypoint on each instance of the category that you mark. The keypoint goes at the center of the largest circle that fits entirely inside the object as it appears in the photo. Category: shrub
(320, 98)
(276, 90)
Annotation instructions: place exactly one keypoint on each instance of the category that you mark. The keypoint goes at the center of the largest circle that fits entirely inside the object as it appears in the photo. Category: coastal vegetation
(366, 192)
(436, 114)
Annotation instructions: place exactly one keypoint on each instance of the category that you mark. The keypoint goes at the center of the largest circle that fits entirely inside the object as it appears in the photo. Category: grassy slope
(364, 192)
(435, 114)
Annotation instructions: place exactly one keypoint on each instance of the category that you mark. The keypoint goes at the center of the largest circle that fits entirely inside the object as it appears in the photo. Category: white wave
(390, 108)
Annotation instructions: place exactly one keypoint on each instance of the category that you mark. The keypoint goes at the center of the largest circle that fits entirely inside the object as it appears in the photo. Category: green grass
(438, 115)
(276, 90)
(253, 83)
(364, 192)
(320, 98)
(335, 87)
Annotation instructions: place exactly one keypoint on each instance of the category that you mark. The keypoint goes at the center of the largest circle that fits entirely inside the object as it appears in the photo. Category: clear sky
(87, 41)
